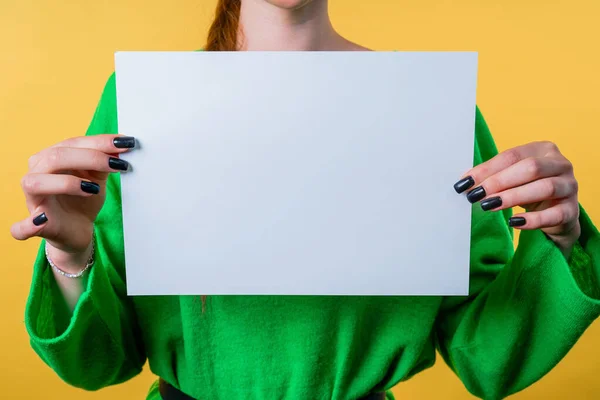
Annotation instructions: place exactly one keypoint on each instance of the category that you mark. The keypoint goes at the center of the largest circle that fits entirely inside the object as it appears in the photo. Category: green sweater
(525, 310)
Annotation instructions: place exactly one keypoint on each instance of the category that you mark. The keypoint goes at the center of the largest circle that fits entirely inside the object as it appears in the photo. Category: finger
(525, 171)
(560, 214)
(58, 159)
(108, 143)
(49, 184)
(536, 191)
(29, 227)
(481, 172)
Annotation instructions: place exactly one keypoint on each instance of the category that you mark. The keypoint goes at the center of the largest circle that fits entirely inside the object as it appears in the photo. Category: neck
(265, 27)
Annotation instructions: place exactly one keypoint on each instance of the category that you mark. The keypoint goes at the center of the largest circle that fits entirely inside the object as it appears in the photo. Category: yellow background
(539, 79)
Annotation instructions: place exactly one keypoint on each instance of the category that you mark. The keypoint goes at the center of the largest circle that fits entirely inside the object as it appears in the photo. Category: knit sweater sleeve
(525, 309)
(98, 344)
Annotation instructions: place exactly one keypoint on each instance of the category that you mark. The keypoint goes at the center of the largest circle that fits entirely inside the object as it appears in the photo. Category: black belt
(169, 392)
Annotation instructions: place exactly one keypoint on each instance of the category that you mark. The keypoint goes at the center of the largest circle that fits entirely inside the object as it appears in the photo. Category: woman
(524, 312)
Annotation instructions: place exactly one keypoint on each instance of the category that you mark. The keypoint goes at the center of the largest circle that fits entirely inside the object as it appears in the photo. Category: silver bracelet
(89, 263)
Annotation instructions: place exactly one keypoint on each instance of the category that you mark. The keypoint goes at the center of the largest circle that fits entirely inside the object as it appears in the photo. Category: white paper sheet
(313, 173)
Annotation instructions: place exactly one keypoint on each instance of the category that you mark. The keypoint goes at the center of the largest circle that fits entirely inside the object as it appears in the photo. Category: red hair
(223, 33)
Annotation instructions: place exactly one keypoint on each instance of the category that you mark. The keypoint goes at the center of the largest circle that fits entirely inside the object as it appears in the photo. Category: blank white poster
(297, 173)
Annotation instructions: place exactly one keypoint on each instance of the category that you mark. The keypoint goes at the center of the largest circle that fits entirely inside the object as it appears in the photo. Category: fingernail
(491, 203)
(40, 219)
(124, 142)
(464, 184)
(118, 164)
(90, 187)
(516, 221)
(476, 194)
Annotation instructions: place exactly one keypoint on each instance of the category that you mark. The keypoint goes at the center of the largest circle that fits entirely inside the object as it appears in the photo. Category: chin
(289, 4)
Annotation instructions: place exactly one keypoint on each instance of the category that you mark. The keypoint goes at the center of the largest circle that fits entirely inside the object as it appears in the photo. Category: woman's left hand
(537, 177)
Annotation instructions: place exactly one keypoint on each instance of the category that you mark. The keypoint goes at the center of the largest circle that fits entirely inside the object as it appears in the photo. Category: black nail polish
(124, 142)
(476, 194)
(40, 219)
(516, 221)
(90, 187)
(118, 164)
(464, 184)
(491, 203)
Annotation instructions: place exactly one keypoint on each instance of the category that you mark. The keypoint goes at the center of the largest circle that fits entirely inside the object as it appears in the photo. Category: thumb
(29, 227)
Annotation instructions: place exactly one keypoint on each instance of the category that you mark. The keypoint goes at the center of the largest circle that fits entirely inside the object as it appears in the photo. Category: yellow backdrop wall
(539, 79)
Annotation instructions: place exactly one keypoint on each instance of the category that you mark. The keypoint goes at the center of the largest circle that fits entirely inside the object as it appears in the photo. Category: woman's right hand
(65, 189)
